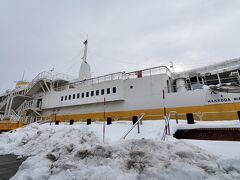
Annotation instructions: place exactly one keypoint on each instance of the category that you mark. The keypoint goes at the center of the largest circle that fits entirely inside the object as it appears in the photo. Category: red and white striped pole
(167, 126)
(164, 108)
(104, 119)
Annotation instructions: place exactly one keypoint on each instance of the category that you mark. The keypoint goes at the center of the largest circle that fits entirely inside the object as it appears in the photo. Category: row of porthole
(97, 93)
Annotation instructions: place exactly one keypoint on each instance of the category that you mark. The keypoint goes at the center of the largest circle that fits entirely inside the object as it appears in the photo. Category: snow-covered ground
(78, 152)
(223, 149)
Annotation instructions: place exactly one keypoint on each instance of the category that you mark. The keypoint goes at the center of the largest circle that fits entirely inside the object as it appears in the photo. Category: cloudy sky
(124, 35)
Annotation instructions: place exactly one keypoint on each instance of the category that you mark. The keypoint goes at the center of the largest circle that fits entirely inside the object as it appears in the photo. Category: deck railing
(124, 76)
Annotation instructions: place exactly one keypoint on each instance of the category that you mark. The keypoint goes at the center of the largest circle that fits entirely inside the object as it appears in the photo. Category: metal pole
(104, 119)
(219, 80)
(138, 128)
(10, 106)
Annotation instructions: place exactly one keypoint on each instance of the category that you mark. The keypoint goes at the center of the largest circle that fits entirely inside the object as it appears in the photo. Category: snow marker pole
(103, 132)
(165, 115)
(104, 119)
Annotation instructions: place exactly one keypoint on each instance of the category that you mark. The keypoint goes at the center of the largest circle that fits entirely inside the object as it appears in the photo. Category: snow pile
(211, 124)
(76, 152)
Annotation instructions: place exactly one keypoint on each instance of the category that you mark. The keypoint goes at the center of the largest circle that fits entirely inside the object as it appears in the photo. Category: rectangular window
(65, 98)
(82, 95)
(78, 95)
(92, 93)
(62, 98)
(114, 89)
(69, 97)
(97, 92)
(108, 90)
(87, 94)
(102, 91)
(73, 96)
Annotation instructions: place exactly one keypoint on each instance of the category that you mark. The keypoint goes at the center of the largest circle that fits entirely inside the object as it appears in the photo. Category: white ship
(209, 93)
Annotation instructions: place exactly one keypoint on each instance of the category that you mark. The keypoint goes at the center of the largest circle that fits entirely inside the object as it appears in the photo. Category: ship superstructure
(209, 93)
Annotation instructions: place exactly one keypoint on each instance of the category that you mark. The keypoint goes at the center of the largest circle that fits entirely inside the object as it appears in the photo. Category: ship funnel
(85, 71)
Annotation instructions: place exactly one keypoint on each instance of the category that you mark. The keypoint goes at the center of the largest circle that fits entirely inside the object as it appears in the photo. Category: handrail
(14, 116)
(150, 69)
(3, 102)
(176, 115)
(42, 75)
(139, 120)
(27, 104)
(62, 76)
(19, 109)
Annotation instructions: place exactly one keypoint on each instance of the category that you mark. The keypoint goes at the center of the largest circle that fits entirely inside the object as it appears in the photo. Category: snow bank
(210, 124)
(76, 152)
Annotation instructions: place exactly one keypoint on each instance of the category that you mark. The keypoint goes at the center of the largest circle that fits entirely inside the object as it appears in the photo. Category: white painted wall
(53, 98)
(146, 93)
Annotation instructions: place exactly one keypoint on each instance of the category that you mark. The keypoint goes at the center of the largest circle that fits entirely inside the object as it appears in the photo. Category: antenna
(172, 66)
(23, 75)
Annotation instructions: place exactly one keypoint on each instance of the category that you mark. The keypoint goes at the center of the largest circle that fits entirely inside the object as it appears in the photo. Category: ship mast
(84, 58)
(85, 71)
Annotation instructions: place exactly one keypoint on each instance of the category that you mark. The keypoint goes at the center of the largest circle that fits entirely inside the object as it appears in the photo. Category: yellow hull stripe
(227, 111)
(10, 125)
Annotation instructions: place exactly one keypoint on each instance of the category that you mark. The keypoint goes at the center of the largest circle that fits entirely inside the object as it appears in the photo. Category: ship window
(73, 96)
(62, 98)
(87, 94)
(102, 91)
(78, 95)
(65, 98)
(92, 93)
(114, 89)
(82, 95)
(108, 90)
(69, 97)
(97, 92)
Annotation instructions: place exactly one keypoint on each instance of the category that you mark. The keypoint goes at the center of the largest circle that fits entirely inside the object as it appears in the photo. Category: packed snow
(78, 152)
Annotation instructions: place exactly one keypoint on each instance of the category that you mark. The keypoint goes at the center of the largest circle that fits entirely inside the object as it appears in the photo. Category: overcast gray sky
(124, 35)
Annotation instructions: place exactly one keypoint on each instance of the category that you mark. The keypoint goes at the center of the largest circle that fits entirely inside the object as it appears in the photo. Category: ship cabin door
(39, 103)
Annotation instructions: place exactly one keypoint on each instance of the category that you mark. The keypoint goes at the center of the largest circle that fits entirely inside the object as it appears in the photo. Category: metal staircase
(33, 105)
(21, 102)
(3, 103)
(14, 116)
(40, 83)
(27, 105)
(18, 105)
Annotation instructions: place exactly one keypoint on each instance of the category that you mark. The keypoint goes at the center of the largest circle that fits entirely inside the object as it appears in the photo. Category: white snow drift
(76, 152)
